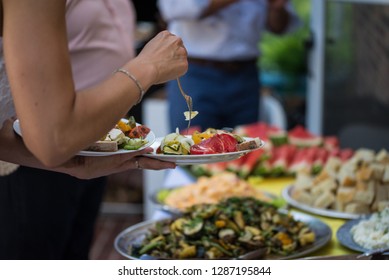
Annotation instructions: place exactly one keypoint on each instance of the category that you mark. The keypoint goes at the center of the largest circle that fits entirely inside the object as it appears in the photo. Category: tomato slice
(140, 131)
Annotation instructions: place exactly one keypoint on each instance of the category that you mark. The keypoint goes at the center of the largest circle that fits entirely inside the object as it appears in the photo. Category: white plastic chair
(272, 112)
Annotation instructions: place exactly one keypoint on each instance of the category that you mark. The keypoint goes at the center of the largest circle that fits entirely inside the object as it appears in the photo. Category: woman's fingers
(152, 164)
(92, 167)
(168, 55)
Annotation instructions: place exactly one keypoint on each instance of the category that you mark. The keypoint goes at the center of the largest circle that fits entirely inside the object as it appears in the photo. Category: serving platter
(286, 194)
(150, 138)
(199, 159)
(136, 233)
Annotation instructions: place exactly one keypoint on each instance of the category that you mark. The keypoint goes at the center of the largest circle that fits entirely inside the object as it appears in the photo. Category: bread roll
(302, 196)
(365, 173)
(357, 208)
(366, 196)
(381, 194)
(345, 195)
(385, 176)
(303, 181)
(324, 200)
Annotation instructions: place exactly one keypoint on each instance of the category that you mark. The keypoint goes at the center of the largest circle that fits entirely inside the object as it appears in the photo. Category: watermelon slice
(301, 137)
(346, 154)
(250, 162)
(331, 142)
(334, 153)
(281, 159)
(263, 168)
(236, 164)
(199, 170)
(277, 136)
(303, 160)
(320, 159)
(253, 130)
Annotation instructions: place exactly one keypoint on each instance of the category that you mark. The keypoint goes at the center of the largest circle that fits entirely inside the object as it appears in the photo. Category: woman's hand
(166, 54)
(92, 167)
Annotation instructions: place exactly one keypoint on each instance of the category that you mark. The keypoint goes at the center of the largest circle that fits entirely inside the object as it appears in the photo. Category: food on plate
(110, 142)
(373, 233)
(226, 230)
(212, 190)
(126, 134)
(359, 185)
(211, 141)
(216, 144)
(190, 115)
(175, 144)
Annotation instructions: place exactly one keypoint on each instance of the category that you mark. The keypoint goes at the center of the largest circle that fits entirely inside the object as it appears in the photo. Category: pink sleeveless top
(101, 38)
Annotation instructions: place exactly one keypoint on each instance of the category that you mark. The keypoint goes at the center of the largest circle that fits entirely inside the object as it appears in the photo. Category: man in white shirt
(221, 37)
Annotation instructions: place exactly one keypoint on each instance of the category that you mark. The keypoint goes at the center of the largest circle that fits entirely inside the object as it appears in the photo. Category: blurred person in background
(221, 37)
(44, 212)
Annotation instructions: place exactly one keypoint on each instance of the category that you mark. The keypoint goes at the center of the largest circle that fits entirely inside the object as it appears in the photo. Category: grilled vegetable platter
(235, 228)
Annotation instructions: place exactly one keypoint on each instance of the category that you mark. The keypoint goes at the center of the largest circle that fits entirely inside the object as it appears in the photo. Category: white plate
(198, 159)
(286, 194)
(150, 138)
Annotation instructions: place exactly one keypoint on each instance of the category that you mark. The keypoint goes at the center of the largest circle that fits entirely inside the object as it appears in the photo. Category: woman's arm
(56, 121)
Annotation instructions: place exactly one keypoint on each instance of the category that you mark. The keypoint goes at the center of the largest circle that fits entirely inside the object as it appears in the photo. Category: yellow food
(197, 137)
(123, 126)
(212, 190)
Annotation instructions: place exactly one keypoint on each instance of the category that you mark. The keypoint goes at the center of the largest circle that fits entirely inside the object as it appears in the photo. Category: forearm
(12, 148)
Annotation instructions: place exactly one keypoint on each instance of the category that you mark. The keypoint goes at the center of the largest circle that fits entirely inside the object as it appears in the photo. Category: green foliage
(286, 53)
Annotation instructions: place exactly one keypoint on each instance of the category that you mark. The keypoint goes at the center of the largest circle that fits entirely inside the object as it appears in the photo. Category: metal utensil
(188, 100)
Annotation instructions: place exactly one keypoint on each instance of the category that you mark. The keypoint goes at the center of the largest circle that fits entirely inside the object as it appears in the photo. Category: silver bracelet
(128, 74)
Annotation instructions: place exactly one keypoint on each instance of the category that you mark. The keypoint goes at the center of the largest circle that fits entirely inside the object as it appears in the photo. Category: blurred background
(330, 76)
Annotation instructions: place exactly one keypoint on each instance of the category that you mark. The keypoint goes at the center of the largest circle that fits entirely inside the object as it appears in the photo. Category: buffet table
(334, 248)
(180, 177)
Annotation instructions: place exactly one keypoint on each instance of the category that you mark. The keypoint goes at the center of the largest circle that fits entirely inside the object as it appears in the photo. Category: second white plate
(198, 159)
